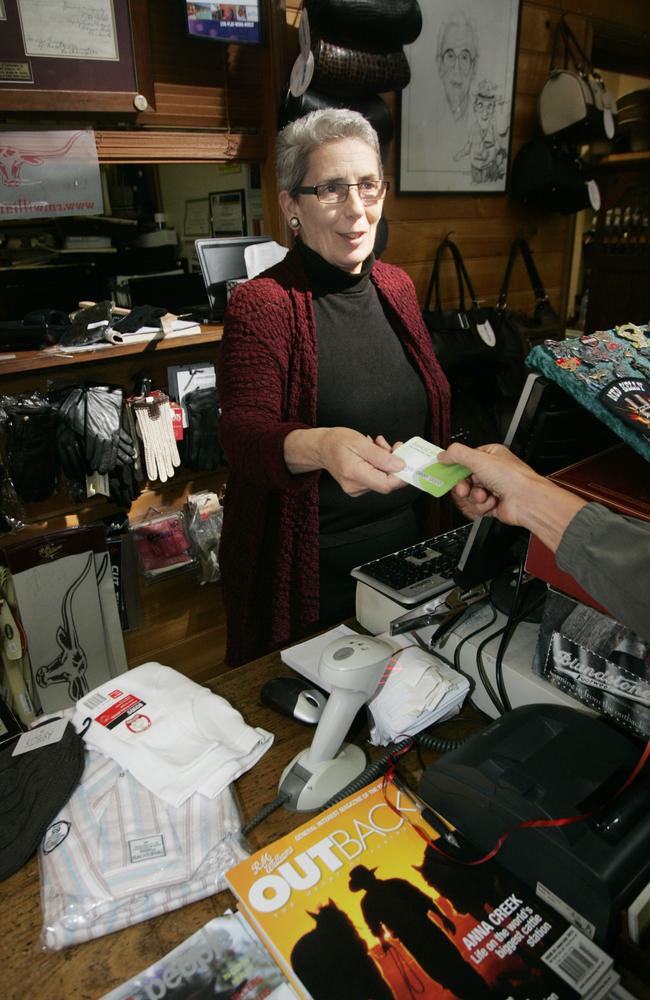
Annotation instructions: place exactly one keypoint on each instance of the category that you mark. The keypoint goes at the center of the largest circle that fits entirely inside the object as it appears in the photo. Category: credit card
(424, 471)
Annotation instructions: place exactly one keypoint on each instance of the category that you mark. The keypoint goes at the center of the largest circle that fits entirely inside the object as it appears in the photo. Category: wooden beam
(176, 146)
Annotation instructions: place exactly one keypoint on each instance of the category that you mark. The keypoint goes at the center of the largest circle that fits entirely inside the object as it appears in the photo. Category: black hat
(361, 877)
(34, 787)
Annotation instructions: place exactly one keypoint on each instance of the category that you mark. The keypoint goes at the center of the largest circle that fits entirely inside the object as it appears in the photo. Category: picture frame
(455, 116)
(98, 63)
(228, 212)
(197, 217)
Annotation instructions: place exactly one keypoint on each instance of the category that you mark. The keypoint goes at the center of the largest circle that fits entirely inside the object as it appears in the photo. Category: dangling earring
(294, 222)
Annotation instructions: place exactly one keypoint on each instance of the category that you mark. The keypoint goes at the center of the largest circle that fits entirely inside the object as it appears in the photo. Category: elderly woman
(325, 364)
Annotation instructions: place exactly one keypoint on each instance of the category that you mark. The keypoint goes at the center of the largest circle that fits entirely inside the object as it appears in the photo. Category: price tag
(301, 74)
(41, 736)
(594, 195)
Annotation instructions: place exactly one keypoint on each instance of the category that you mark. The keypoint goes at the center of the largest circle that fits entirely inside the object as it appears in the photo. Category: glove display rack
(178, 621)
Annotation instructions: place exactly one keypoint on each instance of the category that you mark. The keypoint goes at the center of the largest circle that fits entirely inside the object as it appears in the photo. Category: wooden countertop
(89, 971)
(16, 362)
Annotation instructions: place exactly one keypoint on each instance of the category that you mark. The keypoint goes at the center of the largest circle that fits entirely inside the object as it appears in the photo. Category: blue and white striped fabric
(116, 854)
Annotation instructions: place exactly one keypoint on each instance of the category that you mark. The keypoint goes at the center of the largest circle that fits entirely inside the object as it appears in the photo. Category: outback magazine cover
(355, 905)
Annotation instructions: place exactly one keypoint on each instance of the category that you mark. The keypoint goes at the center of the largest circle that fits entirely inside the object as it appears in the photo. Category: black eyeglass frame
(314, 190)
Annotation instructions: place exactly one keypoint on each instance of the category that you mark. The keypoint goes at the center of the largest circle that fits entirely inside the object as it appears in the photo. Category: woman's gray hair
(300, 138)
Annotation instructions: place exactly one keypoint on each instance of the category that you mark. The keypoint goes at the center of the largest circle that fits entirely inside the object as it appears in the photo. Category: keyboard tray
(418, 572)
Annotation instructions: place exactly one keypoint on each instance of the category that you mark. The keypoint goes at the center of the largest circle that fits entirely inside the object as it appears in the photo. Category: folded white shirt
(172, 734)
(116, 854)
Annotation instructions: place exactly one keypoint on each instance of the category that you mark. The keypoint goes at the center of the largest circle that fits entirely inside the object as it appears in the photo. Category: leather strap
(521, 246)
(462, 277)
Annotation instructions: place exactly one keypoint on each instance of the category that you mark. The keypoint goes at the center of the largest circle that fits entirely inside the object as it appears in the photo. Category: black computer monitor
(221, 260)
(549, 430)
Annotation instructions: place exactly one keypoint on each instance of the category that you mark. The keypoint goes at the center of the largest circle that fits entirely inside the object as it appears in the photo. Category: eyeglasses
(463, 58)
(336, 192)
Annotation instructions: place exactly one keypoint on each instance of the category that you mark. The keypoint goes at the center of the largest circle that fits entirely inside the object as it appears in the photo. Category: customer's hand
(500, 484)
(503, 486)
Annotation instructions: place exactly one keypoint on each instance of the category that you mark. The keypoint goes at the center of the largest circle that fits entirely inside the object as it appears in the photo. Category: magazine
(356, 904)
(223, 959)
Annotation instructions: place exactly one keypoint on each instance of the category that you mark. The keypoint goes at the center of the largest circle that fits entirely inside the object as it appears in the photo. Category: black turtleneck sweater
(365, 381)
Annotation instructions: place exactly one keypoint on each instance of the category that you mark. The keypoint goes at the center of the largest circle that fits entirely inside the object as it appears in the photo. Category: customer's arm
(608, 554)
(504, 487)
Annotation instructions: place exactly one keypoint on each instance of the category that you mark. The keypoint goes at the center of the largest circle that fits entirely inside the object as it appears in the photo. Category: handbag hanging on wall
(482, 358)
(574, 103)
(543, 323)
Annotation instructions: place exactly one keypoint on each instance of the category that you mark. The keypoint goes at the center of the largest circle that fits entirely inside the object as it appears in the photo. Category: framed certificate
(228, 212)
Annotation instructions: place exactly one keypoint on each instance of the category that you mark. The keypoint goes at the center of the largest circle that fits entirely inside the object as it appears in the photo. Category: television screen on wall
(240, 23)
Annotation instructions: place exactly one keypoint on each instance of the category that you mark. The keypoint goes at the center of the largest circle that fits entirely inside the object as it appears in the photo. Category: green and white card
(422, 469)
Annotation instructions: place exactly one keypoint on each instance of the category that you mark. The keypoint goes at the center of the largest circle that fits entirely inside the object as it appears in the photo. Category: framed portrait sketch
(456, 113)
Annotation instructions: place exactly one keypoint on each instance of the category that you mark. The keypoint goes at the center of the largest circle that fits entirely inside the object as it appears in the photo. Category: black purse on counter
(532, 328)
(482, 358)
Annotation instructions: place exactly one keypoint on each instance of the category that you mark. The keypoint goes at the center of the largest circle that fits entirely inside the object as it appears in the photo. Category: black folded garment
(34, 787)
(38, 328)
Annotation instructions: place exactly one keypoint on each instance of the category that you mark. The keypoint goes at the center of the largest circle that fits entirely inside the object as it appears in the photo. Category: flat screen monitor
(238, 23)
(549, 430)
(221, 260)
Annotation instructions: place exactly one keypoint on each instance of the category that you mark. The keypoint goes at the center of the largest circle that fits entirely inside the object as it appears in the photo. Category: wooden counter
(88, 971)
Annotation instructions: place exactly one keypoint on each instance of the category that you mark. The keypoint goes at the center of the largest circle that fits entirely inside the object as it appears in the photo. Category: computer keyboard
(413, 575)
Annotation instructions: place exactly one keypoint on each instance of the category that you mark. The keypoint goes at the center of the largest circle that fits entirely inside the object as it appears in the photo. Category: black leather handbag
(375, 25)
(532, 328)
(548, 176)
(462, 334)
(482, 358)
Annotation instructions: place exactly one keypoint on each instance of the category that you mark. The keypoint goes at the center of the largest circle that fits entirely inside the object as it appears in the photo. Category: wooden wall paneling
(200, 83)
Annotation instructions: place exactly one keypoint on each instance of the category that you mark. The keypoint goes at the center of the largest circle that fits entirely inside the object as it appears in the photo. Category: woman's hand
(358, 463)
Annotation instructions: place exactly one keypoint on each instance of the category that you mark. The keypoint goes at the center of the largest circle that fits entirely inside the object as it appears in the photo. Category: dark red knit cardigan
(267, 378)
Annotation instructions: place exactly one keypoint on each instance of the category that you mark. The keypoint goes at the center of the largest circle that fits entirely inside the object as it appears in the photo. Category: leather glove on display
(69, 408)
(121, 479)
(103, 413)
(201, 447)
(69, 448)
(122, 486)
(32, 459)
